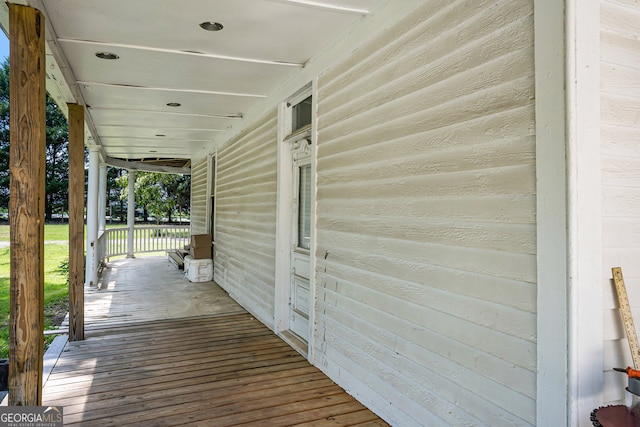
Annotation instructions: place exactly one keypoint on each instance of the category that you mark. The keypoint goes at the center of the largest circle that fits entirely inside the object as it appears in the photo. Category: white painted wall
(426, 252)
(426, 257)
(246, 218)
(620, 107)
(426, 236)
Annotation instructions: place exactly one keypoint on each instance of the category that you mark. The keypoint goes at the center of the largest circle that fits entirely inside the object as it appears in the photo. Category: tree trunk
(122, 216)
(48, 211)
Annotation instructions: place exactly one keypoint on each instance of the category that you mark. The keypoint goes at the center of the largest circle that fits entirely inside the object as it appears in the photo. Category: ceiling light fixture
(211, 26)
(107, 55)
(173, 104)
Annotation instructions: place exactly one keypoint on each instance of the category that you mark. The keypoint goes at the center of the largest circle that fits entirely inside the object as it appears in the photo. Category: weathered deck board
(151, 289)
(223, 368)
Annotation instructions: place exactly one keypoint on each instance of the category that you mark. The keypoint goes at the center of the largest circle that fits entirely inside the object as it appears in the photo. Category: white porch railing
(154, 238)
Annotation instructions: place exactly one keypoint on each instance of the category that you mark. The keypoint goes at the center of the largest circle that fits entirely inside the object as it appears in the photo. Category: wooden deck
(208, 367)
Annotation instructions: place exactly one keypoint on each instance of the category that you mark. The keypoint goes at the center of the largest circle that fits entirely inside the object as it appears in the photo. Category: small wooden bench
(176, 257)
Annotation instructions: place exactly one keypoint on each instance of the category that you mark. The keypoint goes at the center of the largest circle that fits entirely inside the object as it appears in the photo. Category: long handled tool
(619, 414)
(627, 317)
(630, 329)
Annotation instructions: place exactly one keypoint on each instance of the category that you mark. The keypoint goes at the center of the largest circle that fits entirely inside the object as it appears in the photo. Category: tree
(159, 194)
(177, 192)
(57, 173)
(57, 155)
(115, 204)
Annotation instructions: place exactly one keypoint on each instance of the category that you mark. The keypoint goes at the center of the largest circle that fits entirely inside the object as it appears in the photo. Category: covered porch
(160, 350)
(422, 197)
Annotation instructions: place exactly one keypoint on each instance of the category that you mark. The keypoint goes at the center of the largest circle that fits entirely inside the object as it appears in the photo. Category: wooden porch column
(26, 206)
(76, 222)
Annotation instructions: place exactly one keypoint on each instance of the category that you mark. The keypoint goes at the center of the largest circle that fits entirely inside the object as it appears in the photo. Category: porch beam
(26, 207)
(176, 113)
(102, 45)
(142, 166)
(173, 89)
(76, 222)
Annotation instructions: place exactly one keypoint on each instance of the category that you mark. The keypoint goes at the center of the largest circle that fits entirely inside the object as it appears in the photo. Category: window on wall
(301, 114)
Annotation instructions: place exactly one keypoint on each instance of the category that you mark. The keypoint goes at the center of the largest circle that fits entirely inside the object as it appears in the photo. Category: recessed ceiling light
(107, 55)
(174, 104)
(211, 26)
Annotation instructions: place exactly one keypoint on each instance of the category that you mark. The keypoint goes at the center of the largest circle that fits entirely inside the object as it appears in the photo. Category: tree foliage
(161, 195)
(115, 204)
(57, 173)
(57, 154)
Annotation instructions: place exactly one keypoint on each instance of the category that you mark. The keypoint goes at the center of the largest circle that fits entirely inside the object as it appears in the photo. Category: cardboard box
(200, 240)
(200, 253)
(200, 247)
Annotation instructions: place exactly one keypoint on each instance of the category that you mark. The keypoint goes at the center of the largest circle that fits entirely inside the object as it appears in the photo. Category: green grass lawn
(56, 289)
(51, 232)
(55, 281)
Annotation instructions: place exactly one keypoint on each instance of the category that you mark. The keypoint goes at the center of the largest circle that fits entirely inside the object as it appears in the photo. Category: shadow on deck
(162, 351)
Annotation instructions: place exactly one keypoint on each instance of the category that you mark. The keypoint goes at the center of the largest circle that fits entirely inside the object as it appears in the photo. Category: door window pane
(304, 207)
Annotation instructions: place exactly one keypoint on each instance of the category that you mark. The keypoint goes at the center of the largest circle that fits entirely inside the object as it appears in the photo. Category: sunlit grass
(57, 232)
(4, 302)
(55, 287)
(55, 281)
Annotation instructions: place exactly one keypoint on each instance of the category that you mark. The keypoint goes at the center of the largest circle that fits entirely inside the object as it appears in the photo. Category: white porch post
(585, 259)
(131, 212)
(102, 198)
(552, 401)
(92, 217)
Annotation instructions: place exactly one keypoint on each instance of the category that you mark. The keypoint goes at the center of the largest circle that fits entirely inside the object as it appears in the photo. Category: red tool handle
(632, 373)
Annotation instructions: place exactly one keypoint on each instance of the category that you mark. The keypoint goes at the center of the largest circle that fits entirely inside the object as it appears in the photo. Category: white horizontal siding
(426, 237)
(199, 179)
(620, 74)
(246, 218)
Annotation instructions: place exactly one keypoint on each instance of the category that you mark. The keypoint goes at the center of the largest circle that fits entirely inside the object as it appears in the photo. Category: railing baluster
(113, 242)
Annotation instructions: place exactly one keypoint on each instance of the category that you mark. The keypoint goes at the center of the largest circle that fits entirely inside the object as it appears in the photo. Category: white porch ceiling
(165, 57)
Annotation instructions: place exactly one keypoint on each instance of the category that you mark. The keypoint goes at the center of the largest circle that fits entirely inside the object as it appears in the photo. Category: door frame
(212, 172)
(284, 221)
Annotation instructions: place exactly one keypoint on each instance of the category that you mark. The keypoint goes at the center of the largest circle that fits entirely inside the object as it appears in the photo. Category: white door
(296, 185)
(300, 295)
